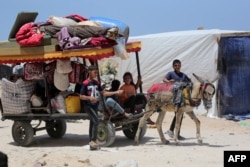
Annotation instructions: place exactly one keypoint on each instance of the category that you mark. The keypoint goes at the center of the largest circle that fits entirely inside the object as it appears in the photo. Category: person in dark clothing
(90, 95)
(115, 84)
(174, 76)
(112, 102)
(3, 160)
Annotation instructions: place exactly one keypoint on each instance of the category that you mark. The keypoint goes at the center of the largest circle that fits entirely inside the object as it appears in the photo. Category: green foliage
(110, 69)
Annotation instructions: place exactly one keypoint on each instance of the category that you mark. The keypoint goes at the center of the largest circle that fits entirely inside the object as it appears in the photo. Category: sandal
(94, 145)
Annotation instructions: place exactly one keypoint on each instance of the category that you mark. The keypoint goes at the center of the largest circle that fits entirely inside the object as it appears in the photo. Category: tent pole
(138, 68)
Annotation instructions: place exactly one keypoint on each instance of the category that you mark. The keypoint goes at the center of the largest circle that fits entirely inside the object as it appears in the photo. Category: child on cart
(112, 102)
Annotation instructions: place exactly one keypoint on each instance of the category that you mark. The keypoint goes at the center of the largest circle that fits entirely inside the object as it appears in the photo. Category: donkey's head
(206, 91)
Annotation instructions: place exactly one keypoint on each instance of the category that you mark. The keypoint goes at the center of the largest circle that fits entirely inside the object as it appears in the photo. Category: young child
(90, 95)
(174, 76)
(127, 98)
(111, 102)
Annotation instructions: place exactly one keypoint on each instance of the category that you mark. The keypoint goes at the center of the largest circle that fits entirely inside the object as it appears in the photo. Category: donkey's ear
(198, 78)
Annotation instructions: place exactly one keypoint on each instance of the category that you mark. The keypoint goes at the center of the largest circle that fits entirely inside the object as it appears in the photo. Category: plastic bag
(120, 51)
(58, 104)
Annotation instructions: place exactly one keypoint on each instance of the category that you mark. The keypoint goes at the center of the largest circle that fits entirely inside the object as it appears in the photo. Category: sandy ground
(72, 150)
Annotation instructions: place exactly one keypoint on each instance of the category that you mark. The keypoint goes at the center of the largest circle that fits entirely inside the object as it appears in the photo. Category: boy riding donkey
(180, 81)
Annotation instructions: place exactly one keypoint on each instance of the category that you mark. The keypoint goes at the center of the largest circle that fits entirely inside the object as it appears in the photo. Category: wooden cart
(23, 131)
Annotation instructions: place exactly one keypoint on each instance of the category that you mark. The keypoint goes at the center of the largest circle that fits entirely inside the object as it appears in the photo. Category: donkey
(162, 101)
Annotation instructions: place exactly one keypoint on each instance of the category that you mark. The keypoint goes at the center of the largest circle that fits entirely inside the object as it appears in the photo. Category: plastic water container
(109, 23)
(73, 104)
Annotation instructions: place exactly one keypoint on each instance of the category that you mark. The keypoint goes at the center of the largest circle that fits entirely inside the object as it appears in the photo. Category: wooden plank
(7, 44)
(42, 54)
(13, 48)
(27, 50)
(235, 34)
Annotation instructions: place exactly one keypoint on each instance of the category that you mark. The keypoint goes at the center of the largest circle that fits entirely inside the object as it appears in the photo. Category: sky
(142, 16)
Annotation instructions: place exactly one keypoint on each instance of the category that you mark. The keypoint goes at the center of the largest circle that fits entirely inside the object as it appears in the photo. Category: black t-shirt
(91, 88)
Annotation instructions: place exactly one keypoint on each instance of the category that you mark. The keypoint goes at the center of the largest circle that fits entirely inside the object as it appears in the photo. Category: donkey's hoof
(200, 141)
(177, 143)
(165, 142)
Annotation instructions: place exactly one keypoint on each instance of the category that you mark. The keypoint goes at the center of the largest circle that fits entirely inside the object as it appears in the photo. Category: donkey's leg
(179, 115)
(142, 121)
(159, 126)
(197, 123)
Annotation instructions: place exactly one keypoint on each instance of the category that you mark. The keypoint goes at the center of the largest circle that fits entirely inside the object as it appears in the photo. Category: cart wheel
(22, 132)
(130, 130)
(56, 128)
(106, 133)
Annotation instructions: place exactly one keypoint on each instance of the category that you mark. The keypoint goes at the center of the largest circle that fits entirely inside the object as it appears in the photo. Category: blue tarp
(234, 84)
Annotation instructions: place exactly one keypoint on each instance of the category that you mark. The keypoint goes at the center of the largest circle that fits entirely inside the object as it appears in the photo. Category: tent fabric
(197, 50)
(234, 58)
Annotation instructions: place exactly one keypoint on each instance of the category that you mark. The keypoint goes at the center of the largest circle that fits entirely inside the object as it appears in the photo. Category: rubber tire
(106, 133)
(56, 128)
(131, 129)
(22, 132)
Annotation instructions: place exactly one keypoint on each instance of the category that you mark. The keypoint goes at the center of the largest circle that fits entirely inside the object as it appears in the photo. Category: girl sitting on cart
(129, 99)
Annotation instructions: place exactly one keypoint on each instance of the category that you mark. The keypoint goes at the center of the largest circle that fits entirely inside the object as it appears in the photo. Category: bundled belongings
(66, 29)
(71, 32)
(33, 71)
(5, 71)
(16, 96)
(58, 104)
(78, 73)
(123, 34)
(109, 23)
(28, 35)
(61, 74)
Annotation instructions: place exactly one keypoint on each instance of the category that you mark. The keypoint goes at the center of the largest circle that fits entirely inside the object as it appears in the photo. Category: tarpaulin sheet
(234, 83)
(197, 50)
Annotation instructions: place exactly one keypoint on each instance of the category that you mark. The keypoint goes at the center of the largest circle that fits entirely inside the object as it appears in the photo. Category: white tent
(197, 50)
